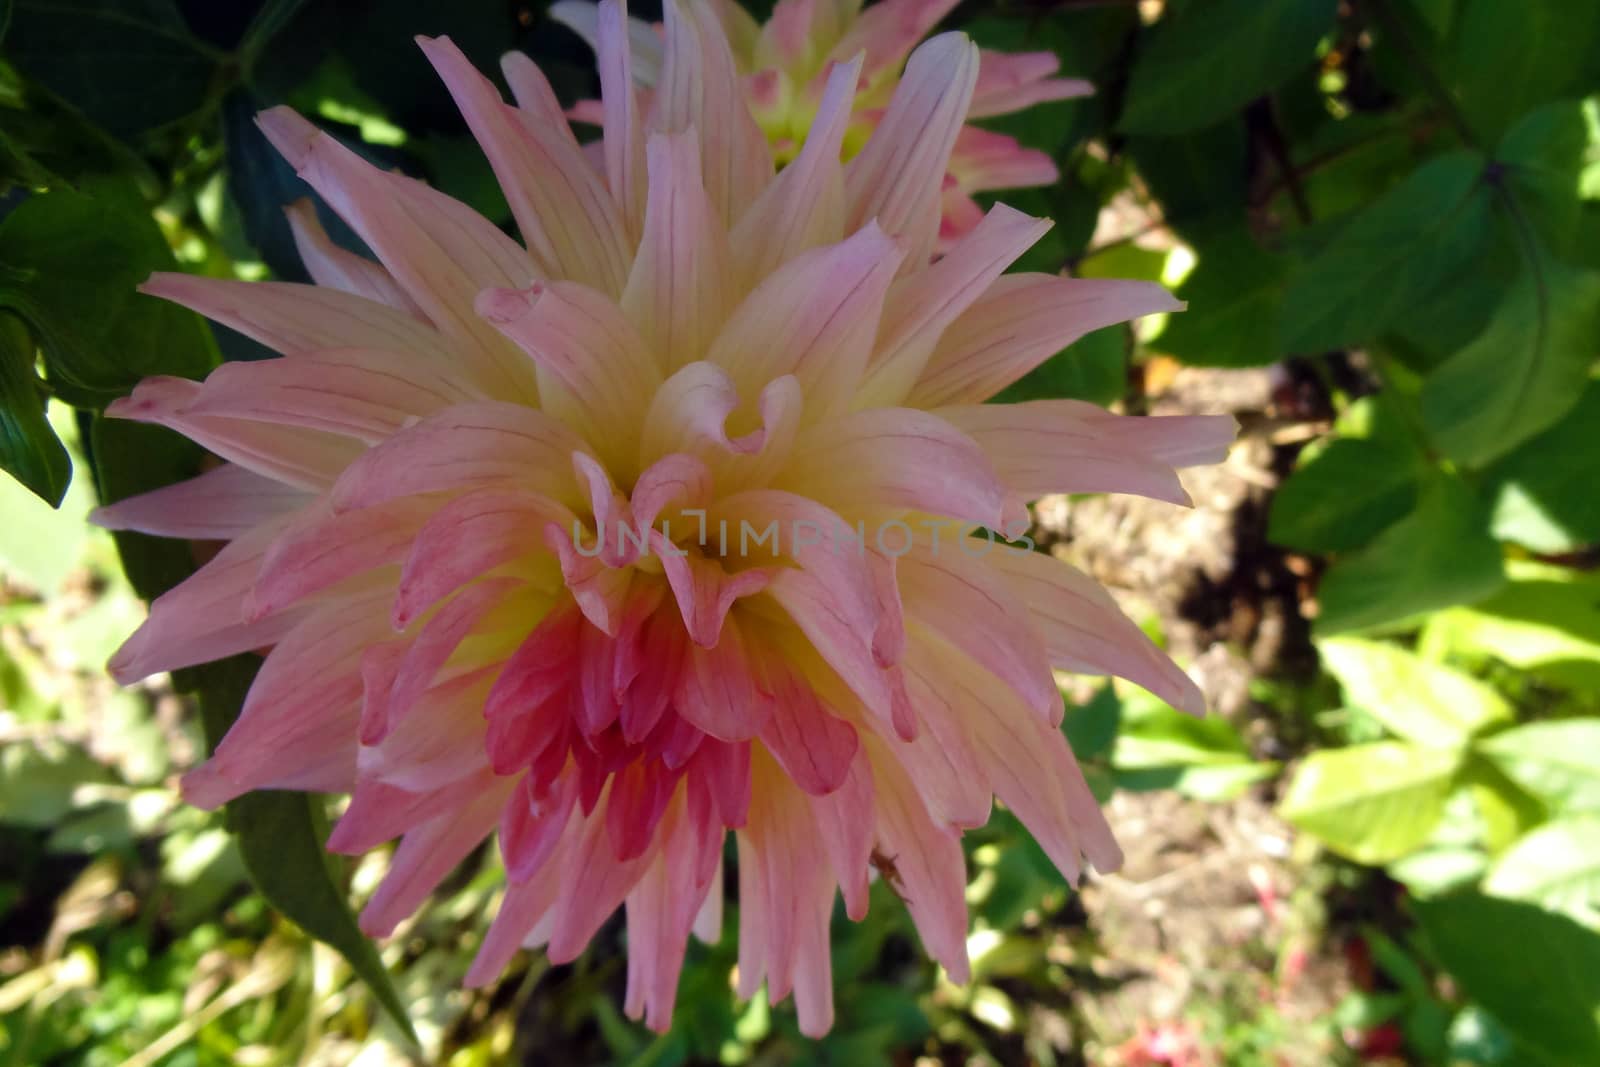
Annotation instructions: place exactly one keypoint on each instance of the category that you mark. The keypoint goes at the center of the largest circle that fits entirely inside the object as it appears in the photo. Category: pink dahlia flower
(657, 524)
(786, 64)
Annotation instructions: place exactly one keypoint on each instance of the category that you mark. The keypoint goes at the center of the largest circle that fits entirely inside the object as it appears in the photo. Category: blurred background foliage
(1385, 217)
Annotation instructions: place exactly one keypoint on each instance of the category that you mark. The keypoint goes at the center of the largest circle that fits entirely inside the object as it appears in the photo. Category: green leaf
(1558, 762)
(1234, 296)
(1094, 368)
(1197, 176)
(1524, 372)
(1510, 57)
(74, 262)
(1212, 58)
(1538, 973)
(1372, 803)
(1159, 747)
(30, 451)
(1544, 492)
(129, 65)
(1346, 494)
(1438, 556)
(1395, 253)
(1544, 156)
(1546, 621)
(1434, 871)
(1426, 703)
(1556, 866)
(280, 837)
(1092, 727)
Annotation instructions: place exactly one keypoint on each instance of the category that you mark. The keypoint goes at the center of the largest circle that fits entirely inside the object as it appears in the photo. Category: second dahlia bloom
(785, 66)
(654, 526)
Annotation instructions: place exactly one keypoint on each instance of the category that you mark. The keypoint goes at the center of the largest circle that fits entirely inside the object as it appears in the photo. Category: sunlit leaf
(1556, 866)
(1558, 762)
(1427, 703)
(1373, 803)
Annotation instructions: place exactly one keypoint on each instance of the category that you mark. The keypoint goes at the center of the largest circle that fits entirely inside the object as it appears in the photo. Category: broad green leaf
(1524, 372)
(1234, 297)
(1543, 155)
(1197, 176)
(41, 545)
(1346, 494)
(129, 65)
(30, 451)
(1559, 762)
(1092, 727)
(1537, 972)
(1395, 253)
(1159, 747)
(1433, 871)
(1438, 15)
(1426, 703)
(1556, 866)
(280, 837)
(1094, 368)
(1510, 57)
(1438, 556)
(1544, 492)
(1545, 621)
(1372, 803)
(75, 262)
(1212, 58)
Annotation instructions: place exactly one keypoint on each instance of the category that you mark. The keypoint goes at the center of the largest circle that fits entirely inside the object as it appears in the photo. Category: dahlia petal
(814, 317)
(897, 177)
(662, 909)
(840, 642)
(201, 618)
(960, 598)
(920, 307)
(1084, 631)
(361, 393)
(380, 812)
(844, 823)
(439, 740)
(814, 747)
(467, 446)
(680, 290)
(880, 458)
(717, 688)
(689, 414)
(532, 825)
(803, 207)
(887, 31)
(663, 648)
(438, 639)
(319, 549)
(700, 91)
(304, 459)
(1011, 82)
(983, 160)
(537, 103)
(927, 863)
(724, 769)
(224, 503)
(1068, 446)
(294, 319)
(537, 671)
(595, 884)
(1023, 320)
(599, 589)
(440, 250)
(1026, 761)
(336, 268)
(624, 125)
(640, 793)
(942, 762)
(427, 853)
(523, 910)
(465, 538)
(584, 18)
(569, 222)
(297, 729)
(708, 921)
(593, 367)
